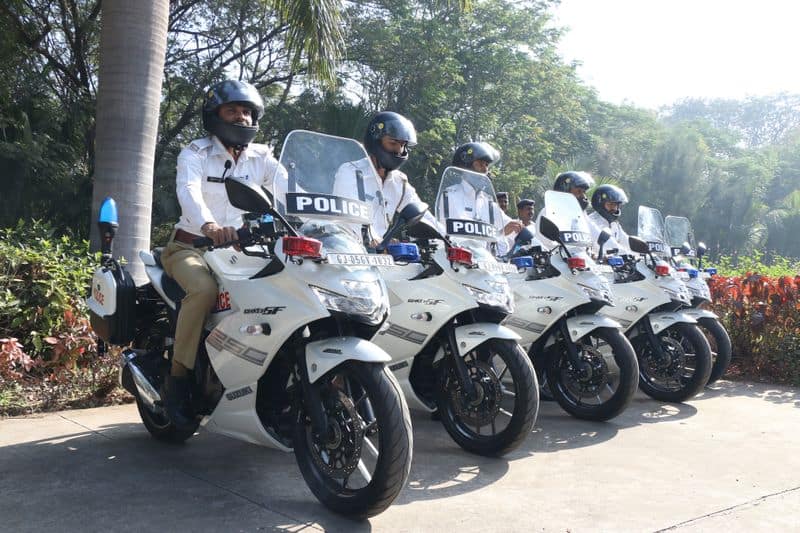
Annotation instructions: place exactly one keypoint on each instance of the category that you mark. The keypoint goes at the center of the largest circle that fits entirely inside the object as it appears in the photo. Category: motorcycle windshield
(679, 231)
(651, 230)
(329, 189)
(466, 205)
(564, 211)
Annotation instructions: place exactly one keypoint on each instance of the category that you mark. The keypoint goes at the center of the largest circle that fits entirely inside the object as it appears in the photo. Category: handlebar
(244, 237)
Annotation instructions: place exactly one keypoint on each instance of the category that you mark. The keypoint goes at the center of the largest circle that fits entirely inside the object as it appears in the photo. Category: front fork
(652, 338)
(311, 397)
(572, 350)
(462, 372)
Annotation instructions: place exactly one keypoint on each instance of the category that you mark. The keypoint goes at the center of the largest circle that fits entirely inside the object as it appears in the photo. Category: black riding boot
(177, 401)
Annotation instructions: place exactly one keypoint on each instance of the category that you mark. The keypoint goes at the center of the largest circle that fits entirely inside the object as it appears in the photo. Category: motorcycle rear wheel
(365, 461)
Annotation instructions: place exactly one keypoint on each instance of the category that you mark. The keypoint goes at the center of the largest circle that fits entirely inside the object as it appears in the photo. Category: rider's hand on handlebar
(218, 234)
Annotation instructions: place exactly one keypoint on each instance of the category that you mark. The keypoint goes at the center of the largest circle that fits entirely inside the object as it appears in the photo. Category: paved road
(729, 460)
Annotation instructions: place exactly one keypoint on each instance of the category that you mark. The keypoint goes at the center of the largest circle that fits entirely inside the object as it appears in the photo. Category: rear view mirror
(412, 213)
(686, 249)
(246, 196)
(548, 228)
(409, 216)
(638, 245)
(701, 249)
(524, 236)
(602, 239)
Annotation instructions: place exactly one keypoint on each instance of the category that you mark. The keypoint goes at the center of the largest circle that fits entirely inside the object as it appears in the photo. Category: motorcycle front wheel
(604, 383)
(506, 402)
(720, 343)
(360, 465)
(683, 369)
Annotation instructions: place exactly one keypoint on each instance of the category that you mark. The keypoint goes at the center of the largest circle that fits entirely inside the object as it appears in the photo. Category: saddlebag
(112, 304)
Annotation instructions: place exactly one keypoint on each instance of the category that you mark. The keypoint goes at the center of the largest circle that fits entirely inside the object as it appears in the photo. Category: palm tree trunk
(133, 41)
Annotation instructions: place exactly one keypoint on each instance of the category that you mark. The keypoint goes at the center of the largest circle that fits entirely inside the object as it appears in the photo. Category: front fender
(662, 320)
(697, 314)
(326, 354)
(471, 335)
(582, 324)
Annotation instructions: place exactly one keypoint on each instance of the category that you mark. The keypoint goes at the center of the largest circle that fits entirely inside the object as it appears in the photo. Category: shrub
(48, 353)
(774, 266)
(762, 316)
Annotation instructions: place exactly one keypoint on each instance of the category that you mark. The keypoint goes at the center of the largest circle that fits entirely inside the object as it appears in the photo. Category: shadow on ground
(763, 391)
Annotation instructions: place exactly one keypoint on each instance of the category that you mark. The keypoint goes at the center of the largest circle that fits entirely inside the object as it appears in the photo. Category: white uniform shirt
(200, 187)
(386, 197)
(618, 240)
(467, 203)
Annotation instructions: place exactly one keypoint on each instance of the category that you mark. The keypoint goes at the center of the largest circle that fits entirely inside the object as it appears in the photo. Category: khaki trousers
(186, 265)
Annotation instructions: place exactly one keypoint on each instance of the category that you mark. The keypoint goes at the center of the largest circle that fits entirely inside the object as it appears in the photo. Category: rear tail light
(576, 263)
(302, 247)
(662, 269)
(459, 255)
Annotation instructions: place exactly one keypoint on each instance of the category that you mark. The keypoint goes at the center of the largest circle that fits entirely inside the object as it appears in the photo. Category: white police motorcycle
(681, 241)
(674, 355)
(449, 351)
(589, 366)
(286, 360)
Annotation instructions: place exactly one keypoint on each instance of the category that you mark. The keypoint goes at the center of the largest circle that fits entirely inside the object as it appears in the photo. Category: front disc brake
(669, 366)
(486, 405)
(338, 452)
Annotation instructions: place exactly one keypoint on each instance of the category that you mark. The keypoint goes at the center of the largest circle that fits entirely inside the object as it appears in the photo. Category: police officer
(502, 201)
(387, 140)
(478, 157)
(575, 183)
(231, 110)
(525, 211)
(607, 202)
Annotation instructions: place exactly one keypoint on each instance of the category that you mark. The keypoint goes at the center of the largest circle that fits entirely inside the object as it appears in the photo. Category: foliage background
(489, 73)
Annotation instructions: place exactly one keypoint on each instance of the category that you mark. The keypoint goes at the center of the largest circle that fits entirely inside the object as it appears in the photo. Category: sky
(651, 53)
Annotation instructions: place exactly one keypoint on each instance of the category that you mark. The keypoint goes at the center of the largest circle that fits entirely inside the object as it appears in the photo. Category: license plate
(496, 267)
(361, 259)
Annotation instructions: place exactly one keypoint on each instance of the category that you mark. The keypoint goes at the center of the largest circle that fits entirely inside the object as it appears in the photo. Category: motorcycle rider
(231, 110)
(387, 140)
(478, 157)
(607, 201)
(575, 183)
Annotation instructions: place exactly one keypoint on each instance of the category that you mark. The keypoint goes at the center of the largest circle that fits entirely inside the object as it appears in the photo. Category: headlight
(498, 295)
(363, 299)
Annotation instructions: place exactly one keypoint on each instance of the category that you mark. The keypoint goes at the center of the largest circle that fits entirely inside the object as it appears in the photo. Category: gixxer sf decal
(406, 334)
(524, 324)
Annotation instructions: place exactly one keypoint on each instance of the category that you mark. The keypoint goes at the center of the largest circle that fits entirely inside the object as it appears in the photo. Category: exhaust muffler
(143, 388)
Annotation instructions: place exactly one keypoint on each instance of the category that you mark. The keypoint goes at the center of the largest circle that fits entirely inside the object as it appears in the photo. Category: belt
(185, 237)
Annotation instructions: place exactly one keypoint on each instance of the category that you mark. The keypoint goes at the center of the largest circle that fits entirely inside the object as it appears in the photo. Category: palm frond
(314, 31)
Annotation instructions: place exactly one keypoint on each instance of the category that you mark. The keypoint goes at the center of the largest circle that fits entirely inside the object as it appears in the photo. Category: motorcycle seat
(171, 289)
